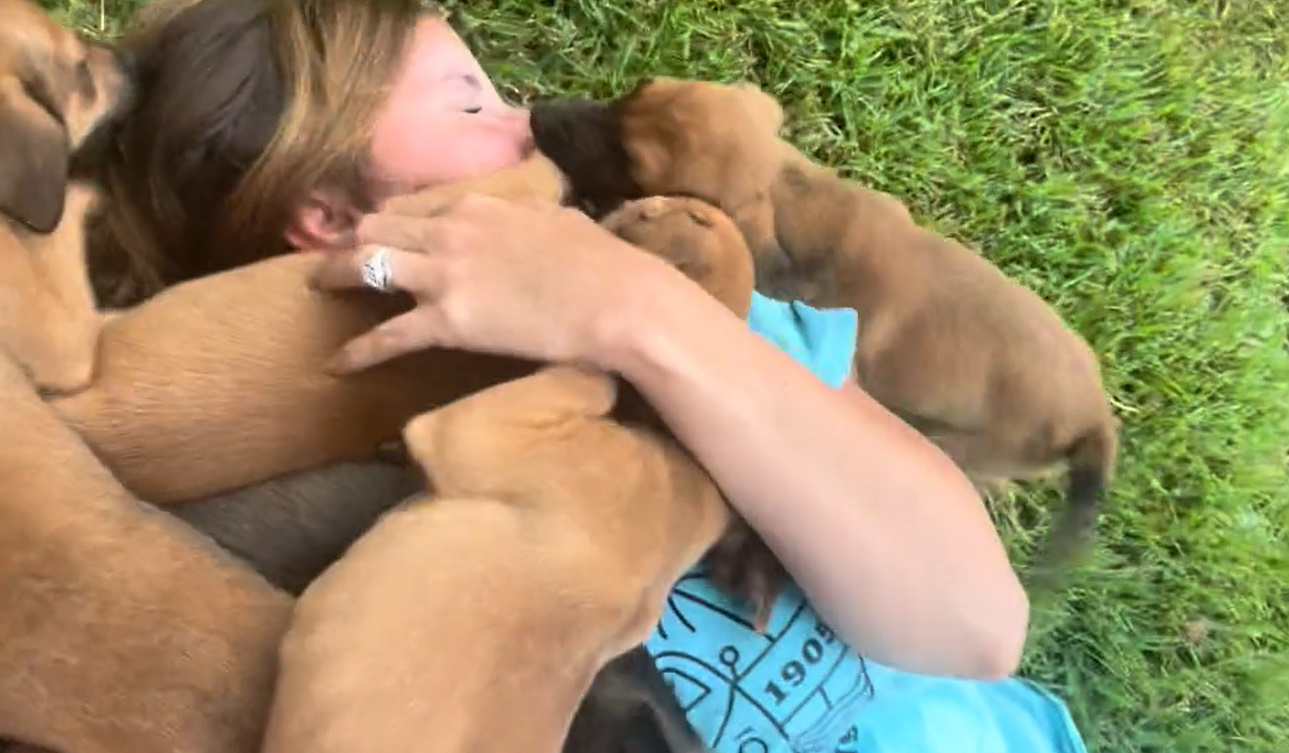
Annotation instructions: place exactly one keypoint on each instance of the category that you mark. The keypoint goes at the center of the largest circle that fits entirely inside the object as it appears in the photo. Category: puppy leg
(174, 642)
(631, 709)
(550, 396)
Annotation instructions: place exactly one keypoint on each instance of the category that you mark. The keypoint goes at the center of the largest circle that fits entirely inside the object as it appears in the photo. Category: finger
(418, 329)
(409, 272)
(400, 231)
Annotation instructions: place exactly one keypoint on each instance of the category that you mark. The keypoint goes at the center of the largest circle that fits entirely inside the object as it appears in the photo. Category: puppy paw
(697, 238)
(742, 564)
(476, 427)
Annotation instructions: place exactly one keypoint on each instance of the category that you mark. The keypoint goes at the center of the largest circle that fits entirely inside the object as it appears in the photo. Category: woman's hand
(539, 282)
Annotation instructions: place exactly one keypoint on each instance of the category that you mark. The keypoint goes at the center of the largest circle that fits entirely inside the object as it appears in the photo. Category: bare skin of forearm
(887, 538)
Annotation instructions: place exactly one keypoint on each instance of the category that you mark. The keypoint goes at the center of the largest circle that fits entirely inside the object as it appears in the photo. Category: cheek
(462, 148)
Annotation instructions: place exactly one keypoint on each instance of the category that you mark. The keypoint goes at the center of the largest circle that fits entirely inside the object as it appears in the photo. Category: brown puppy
(58, 96)
(120, 628)
(475, 620)
(978, 363)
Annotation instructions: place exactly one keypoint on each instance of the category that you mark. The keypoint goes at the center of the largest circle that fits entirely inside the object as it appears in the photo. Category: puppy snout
(584, 139)
(557, 124)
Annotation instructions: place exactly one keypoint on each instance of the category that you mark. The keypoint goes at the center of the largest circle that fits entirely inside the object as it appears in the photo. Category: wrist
(638, 327)
(661, 333)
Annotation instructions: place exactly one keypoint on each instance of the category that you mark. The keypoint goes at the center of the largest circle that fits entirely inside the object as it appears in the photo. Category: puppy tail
(1091, 464)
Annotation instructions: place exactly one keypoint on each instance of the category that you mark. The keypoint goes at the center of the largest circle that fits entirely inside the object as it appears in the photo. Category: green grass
(1129, 159)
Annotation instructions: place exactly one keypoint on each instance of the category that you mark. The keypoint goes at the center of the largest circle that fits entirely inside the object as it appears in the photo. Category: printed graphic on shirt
(795, 687)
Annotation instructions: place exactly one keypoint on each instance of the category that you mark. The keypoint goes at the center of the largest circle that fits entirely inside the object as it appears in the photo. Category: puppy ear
(643, 83)
(765, 111)
(419, 440)
(33, 168)
(652, 164)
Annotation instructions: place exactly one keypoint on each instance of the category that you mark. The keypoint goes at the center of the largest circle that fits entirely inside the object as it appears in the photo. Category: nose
(514, 123)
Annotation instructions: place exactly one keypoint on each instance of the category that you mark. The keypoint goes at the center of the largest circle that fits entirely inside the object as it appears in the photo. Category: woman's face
(444, 120)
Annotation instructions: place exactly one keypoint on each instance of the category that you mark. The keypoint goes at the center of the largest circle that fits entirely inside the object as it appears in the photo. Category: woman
(266, 126)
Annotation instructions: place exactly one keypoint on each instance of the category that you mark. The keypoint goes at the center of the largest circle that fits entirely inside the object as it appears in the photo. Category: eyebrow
(470, 78)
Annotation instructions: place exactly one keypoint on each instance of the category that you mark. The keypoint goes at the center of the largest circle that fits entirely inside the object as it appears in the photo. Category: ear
(419, 441)
(323, 221)
(33, 168)
(765, 111)
(652, 164)
(644, 82)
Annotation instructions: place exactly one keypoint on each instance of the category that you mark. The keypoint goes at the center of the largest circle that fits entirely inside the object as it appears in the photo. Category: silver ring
(377, 273)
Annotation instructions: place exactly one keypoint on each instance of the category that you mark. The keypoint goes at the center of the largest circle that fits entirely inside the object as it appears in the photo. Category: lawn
(1128, 159)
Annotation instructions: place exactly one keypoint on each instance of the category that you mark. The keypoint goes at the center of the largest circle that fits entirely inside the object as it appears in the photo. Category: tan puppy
(58, 96)
(977, 362)
(476, 620)
(120, 628)
(219, 382)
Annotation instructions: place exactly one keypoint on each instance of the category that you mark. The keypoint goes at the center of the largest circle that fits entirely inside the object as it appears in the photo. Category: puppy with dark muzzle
(59, 98)
(978, 363)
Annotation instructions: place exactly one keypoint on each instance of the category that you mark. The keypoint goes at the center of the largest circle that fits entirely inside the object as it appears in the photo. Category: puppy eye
(474, 110)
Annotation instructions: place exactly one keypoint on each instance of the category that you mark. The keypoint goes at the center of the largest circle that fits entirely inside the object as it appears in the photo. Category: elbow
(1000, 612)
(1001, 636)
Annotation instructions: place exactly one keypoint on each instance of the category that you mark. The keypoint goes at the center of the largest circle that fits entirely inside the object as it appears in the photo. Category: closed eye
(474, 86)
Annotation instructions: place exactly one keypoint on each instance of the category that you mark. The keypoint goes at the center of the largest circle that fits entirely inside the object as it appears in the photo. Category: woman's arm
(887, 538)
(880, 529)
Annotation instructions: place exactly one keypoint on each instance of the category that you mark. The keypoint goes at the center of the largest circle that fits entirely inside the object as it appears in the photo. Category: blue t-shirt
(797, 688)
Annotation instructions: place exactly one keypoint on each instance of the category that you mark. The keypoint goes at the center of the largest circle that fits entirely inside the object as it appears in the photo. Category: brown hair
(245, 106)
